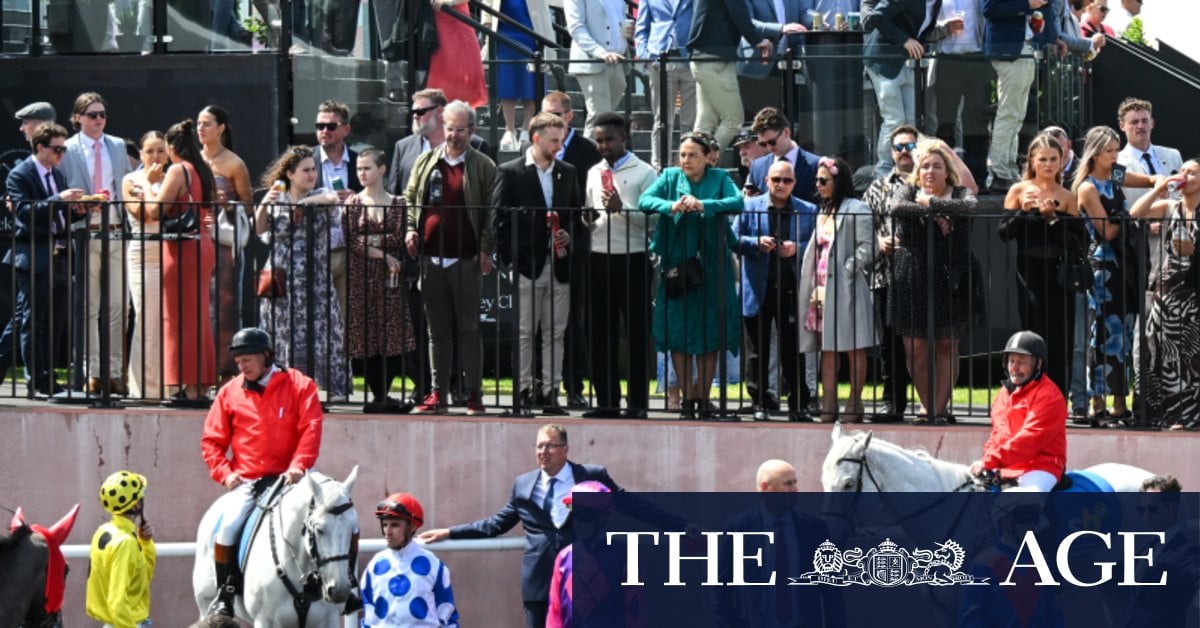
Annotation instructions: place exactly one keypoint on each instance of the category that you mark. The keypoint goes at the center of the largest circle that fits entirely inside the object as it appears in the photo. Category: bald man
(797, 535)
(776, 476)
(772, 234)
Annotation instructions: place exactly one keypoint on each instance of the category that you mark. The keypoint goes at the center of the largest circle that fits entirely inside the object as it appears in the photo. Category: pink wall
(460, 469)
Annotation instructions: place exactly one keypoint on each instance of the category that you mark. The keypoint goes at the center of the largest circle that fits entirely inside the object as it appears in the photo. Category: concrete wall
(460, 468)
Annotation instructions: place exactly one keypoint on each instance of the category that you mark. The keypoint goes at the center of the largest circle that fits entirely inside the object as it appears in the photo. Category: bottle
(435, 187)
(560, 250)
(1037, 22)
(1172, 190)
(818, 21)
(839, 22)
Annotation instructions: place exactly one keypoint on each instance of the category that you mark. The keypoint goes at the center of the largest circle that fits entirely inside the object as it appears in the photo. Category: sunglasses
(771, 142)
(905, 147)
(96, 115)
(423, 110)
(1105, 9)
(784, 180)
(327, 126)
(822, 180)
(58, 150)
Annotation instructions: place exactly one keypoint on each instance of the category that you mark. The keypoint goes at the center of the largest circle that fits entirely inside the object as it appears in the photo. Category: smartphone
(338, 184)
(606, 180)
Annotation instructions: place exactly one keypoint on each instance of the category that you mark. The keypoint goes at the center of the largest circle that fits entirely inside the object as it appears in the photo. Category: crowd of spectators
(788, 266)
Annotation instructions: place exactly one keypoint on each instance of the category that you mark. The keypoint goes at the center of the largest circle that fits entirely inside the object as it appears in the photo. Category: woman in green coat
(693, 201)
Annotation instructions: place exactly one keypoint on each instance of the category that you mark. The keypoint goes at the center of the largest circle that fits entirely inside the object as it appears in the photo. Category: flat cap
(37, 111)
(744, 135)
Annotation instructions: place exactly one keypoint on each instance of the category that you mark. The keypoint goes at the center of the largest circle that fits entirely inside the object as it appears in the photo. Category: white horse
(857, 462)
(308, 535)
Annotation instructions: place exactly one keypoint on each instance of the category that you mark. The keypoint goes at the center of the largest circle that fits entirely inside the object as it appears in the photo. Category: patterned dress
(307, 323)
(1172, 335)
(377, 321)
(1112, 306)
(823, 238)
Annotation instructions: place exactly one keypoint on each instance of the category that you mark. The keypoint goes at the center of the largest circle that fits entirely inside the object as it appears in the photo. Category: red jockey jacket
(268, 432)
(1029, 430)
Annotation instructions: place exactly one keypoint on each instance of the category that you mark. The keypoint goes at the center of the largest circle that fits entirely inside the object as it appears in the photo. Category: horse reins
(864, 468)
(310, 589)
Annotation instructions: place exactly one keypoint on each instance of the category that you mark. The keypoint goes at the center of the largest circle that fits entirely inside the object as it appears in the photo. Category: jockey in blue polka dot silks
(405, 585)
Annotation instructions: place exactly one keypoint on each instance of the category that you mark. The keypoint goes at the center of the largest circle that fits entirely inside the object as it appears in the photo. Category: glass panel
(83, 26)
(17, 26)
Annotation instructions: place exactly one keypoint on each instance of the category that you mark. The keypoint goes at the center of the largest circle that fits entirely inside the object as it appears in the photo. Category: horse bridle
(865, 469)
(309, 590)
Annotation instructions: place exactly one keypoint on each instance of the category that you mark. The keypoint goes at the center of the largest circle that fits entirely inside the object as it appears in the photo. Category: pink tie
(97, 171)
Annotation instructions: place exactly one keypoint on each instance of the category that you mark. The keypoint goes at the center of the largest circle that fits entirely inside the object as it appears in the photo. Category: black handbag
(678, 279)
(185, 223)
(1074, 271)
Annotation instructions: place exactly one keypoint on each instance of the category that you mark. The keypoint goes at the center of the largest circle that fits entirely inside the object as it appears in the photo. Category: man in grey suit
(597, 52)
(95, 162)
(536, 503)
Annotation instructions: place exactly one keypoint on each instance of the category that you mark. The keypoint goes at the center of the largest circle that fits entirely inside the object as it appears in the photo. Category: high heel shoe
(688, 413)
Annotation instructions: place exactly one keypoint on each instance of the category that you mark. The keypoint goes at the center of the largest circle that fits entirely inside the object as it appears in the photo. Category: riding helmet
(401, 506)
(1026, 343)
(122, 491)
(251, 340)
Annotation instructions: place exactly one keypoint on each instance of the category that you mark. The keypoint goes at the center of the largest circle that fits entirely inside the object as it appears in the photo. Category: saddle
(266, 491)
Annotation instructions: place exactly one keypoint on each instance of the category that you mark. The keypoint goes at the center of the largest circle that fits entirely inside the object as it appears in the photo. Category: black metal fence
(936, 311)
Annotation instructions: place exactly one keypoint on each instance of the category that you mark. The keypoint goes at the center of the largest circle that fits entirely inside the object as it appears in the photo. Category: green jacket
(478, 178)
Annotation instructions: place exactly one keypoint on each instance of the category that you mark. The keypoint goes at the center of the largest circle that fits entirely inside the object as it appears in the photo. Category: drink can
(560, 251)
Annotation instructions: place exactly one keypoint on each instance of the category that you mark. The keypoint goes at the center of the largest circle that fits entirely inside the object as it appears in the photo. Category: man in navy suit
(1009, 38)
(38, 192)
(536, 502)
(774, 133)
(781, 21)
(1177, 555)
(772, 234)
(797, 536)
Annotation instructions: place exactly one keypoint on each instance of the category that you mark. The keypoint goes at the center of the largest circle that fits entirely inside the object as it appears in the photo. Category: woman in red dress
(456, 67)
(189, 356)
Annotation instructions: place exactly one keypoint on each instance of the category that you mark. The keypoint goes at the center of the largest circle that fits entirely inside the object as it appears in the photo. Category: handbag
(185, 223)
(233, 227)
(678, 279)
(272, 283)
(1074, 271)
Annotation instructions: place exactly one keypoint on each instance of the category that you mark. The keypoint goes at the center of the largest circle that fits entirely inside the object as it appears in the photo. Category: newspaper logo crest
(888, 565)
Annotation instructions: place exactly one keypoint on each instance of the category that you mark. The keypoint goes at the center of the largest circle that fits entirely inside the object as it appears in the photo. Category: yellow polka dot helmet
(122, 491)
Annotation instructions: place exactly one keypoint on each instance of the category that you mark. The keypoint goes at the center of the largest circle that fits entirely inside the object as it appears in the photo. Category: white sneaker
(508, 143)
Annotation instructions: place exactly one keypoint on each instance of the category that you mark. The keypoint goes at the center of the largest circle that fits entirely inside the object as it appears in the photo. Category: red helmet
(401, 506)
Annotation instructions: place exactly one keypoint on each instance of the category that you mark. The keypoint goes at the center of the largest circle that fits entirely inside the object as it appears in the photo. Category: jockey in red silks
(1028, 443)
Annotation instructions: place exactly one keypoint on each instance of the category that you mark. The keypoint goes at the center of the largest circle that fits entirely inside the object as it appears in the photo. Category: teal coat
(692, 324)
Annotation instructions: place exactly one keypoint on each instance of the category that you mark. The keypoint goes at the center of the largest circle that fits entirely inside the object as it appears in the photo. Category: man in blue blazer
(662, 28)
(774, 133)
(772, 234)
(897, 31)
(536, 503)
(1009, 37)
(38, 192)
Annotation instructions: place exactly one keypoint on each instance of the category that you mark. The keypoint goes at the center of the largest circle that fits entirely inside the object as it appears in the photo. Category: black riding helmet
(251, 340)
(1028, 343)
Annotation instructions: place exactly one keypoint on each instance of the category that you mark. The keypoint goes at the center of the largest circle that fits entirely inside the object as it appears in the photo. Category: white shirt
(791, 156)
(329, 171)
(624, 232)
(967, 40)
(106, 176)
(562, 488)
(42, 172)
(545, 177)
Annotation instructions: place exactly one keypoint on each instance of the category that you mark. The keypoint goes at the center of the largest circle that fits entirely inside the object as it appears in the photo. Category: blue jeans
(1079, 345)
(897, 106)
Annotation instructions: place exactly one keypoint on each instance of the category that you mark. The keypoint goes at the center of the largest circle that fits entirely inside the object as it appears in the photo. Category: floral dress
(814, 317)
(1112, 306)
(378, 317)
(307, 323)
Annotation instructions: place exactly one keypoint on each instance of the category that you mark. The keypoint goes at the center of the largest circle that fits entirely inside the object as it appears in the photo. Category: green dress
(691, 324)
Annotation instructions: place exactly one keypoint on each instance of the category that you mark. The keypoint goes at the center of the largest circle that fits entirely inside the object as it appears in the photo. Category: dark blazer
(755, 221)
(1168, 605)
(34, 212)
(1004, 26)
(351, 182)
(542, 540)
(521, 216)
(805, 168)
(895, 22)
(718, 25)
(404, 156)
(818, 606)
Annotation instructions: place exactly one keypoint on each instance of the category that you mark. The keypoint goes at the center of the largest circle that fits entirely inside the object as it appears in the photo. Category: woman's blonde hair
(927, 148)
(1093, 144)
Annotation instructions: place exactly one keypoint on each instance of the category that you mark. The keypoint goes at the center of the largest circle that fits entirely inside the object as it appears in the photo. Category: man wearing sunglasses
(96, 162)
(38, 191)
(774, 133)
(772, 234)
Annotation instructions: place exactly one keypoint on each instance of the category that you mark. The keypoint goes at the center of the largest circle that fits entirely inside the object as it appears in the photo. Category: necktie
(1150, 169)
(548, 502)
(97, 170)
(49, 184)
(783, 594)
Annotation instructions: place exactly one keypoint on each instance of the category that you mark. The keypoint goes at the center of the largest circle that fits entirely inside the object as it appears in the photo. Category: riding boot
(223, 559)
